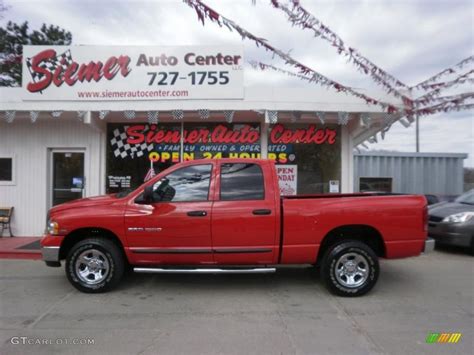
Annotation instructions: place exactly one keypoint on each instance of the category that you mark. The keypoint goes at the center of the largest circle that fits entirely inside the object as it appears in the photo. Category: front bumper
(50, 249)
(50, 254)
(451, 234)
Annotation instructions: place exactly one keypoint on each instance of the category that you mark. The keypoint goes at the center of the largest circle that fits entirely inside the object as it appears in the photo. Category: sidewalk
(20, 248)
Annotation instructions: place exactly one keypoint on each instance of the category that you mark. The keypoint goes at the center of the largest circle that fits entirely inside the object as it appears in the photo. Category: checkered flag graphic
(63, 60)
(123, 149)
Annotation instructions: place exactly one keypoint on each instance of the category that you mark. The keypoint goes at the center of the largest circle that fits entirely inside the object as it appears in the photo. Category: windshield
(466, 198)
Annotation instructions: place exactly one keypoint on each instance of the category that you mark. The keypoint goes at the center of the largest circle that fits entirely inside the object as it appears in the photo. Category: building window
(186, 184)
(308, 157)
(133, 149)
(6, 170)
(129, 148)
(241, 182)
(375, 184)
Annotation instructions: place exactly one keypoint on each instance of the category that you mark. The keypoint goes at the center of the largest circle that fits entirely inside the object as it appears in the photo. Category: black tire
(358, 254)
(109, 263)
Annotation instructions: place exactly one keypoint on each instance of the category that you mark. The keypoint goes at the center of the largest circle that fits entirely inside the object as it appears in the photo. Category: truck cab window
(241, 182)
(186, 184)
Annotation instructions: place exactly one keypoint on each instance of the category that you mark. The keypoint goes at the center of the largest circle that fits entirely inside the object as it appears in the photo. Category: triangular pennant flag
(103, 114)
(150, 174)
(10, 116)
(204, 114)
(321, 116)
(229, 116)
(365, 120)
(152, 117)
(129, 115)
(34, 116)
(273, 116)
(56, 114)
(373, 139)
(342, 118)
(177, 114)
(81, 114)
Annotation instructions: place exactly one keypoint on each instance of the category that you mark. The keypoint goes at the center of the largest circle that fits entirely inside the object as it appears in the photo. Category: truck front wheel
(94, 265)
(350, 268)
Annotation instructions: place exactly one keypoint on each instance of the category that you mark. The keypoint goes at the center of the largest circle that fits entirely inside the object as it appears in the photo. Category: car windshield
(466, 198)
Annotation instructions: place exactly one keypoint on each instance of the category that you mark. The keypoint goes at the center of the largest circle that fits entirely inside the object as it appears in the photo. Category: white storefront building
(88, 129)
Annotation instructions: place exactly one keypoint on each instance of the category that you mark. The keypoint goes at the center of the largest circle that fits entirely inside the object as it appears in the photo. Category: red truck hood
(85, 202)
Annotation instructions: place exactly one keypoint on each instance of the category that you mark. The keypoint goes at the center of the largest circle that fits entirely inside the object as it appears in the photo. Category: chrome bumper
(50, 253)
(429, 245)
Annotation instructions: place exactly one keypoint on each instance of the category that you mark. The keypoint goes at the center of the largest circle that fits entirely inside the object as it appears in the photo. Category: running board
(147, 270)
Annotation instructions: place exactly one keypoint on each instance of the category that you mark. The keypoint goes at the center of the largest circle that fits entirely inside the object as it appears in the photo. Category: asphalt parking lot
(289, 312)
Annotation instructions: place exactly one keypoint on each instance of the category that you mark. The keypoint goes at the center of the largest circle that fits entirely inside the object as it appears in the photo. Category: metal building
(422, 173)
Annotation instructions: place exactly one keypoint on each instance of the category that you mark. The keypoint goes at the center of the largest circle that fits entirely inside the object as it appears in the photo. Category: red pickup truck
(227, 215)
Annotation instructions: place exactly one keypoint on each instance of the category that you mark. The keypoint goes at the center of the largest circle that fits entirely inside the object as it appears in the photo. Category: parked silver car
(452, 223)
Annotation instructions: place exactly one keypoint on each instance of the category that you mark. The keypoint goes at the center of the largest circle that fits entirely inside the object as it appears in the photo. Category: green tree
(12, 40)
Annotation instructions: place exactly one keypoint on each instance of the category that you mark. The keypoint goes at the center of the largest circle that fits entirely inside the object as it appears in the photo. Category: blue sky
(411, 39)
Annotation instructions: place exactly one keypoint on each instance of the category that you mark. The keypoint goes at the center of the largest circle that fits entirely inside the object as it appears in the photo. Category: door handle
(197, 214)
(262, 212)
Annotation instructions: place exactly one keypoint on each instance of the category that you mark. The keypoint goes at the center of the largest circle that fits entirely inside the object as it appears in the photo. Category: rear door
(244, 216)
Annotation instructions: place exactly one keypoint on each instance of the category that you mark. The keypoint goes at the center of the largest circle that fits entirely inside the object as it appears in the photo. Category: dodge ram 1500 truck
(227, 215)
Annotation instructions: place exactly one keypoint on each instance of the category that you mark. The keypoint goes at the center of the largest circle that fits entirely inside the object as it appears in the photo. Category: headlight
(462, 217)
(52, 228)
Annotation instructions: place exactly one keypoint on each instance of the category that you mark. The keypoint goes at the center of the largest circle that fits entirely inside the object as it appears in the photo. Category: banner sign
(287, 179)
(219, 141)
(105, 73)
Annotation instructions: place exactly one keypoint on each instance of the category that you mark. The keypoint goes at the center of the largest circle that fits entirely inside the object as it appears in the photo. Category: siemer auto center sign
(102, 73)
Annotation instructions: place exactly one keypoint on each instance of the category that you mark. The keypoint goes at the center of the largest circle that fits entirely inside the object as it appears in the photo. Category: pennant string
(444, 72)
(205, 11)
(299, 16)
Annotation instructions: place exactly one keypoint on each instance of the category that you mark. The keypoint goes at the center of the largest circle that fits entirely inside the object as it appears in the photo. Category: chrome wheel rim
(92, 266)
(351, 270)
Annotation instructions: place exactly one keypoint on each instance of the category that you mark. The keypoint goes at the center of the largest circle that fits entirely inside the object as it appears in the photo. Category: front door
(67, 180)
(175, 227)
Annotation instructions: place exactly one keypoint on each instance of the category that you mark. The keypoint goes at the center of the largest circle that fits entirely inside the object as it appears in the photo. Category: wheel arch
(88, 232)
(360, 232)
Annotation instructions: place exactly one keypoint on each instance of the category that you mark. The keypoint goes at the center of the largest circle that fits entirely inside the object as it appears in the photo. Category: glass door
(68, 180)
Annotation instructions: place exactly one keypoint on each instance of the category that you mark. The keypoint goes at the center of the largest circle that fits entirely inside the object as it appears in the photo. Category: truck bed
(308, 219)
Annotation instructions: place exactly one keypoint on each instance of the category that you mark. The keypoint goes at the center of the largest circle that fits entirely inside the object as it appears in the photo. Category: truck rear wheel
(95, 265)
(350, 268)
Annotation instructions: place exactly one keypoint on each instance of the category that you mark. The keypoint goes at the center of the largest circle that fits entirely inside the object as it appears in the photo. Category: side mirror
(148, 194)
